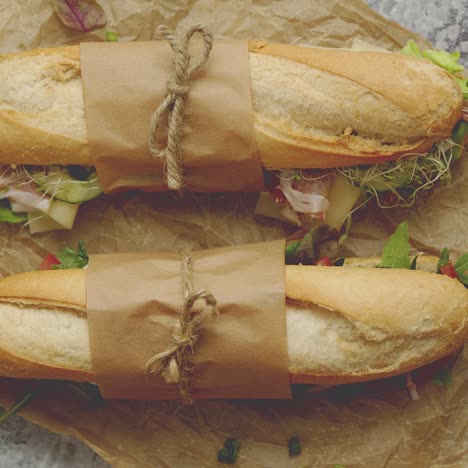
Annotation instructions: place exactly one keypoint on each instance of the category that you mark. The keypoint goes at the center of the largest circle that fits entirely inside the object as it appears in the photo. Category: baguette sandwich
(315, 110)
(348, 324)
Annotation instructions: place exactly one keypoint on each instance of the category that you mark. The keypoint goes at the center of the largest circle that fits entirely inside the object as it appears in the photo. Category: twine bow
(174, 364)
(173, 104)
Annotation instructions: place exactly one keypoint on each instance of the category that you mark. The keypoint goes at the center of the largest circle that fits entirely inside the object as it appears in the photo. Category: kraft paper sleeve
(123, 83)
(133, 301)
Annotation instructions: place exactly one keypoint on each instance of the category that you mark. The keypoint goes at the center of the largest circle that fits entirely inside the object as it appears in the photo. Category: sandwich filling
(308, 197)
(45, 197)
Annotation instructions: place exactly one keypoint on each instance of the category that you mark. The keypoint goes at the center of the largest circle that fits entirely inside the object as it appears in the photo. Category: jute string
(173, 105)
(174, 364)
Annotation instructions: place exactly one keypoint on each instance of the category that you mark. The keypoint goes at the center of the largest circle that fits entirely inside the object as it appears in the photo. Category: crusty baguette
(313, 107)
(343, 324)
(424, 262)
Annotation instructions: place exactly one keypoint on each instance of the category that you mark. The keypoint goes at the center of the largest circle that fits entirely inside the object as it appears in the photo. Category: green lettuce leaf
(463, 83)
(448, 61)
(396, 252)
(8, 216)
(445, 60)
(412, 49)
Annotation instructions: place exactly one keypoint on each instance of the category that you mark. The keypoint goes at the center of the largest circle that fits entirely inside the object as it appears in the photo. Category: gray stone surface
(444, 23)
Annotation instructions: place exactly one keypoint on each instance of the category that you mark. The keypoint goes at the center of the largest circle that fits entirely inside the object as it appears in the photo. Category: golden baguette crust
(26, 143)
(15, 366)
(429, 305)
(424, 263)
(56, 288)
(402, 297)
(48, 131)
(423, 91)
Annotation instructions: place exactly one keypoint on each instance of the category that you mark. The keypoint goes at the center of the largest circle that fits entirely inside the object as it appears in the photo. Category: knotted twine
(173, 104)
(174, 364)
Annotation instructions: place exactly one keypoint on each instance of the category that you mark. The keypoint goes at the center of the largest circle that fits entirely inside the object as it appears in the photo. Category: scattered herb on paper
(111, 36)
(82, 15)
(294, 446)
(228, 454)
(15, 408)
(339, 262)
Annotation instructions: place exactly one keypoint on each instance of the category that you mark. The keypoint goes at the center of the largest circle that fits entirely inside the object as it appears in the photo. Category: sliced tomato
(324, 261)
(278, 196)
(48, 261)
(448, 270)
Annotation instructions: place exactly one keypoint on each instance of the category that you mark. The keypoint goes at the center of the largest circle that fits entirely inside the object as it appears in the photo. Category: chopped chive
(294, 445)
(228, 454)
(14, 409)
(339, 262)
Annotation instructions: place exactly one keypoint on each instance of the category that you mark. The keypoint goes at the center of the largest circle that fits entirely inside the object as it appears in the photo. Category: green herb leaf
(290, 251)
(445, 60)
(412, 49)
(339, 466)
(444, 258)
(228, 454)
(294, 445)
(321, 241)
(8, 216)
(461, 267)
(414, 263)
(70, 258)
(111, 36)
(14, 409)
(396, 252)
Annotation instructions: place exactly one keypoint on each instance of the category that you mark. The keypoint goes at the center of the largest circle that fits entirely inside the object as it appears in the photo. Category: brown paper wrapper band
(133, 309)
(122, 92)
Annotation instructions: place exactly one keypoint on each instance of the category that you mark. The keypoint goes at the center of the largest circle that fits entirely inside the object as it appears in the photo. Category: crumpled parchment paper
(353, 426)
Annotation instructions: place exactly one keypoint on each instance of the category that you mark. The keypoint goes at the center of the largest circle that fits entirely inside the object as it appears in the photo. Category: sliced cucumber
(59, 216)
(57, 182)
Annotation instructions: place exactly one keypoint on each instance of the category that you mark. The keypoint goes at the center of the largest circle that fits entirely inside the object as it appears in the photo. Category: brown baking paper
(122, 91)
(133, 301)
(347, 425)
